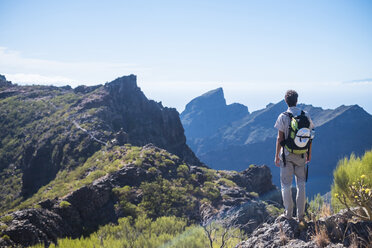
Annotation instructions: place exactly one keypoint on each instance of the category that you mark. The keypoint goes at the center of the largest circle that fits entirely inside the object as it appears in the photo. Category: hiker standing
(293, 151)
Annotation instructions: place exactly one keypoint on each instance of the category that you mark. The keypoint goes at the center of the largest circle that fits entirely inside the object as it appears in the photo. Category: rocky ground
(335, 231)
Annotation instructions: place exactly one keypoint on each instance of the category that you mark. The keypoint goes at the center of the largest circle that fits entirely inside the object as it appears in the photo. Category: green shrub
(37, 206)
(163, 198)
(210, 174)
(152, 170)
(5, 237)
(210, 190)
(273, 210)
(7, 219)
(64, 204)
(315, 205)
(174, 157)
(169, 162)
(125, 196)
(226, 182)
(183, 170)
(138, 162)
(254, 194)
(352, 184)
(3, 228)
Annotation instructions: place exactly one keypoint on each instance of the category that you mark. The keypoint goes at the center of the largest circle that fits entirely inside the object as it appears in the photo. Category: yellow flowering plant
(360, 196)
(352, 185)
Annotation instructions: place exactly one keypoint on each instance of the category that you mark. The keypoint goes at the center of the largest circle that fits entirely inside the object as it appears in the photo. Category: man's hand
(277, 161)
(279, 139)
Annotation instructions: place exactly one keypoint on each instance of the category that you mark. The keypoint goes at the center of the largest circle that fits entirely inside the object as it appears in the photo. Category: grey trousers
(295, 165)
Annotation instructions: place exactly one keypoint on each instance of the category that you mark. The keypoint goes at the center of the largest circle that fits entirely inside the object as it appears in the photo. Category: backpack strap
(290, 115)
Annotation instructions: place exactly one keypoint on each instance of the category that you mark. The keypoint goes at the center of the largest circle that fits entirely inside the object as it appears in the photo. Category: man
(291, 163)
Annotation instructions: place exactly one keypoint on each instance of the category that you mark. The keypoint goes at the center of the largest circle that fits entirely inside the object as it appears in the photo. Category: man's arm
(279, 139)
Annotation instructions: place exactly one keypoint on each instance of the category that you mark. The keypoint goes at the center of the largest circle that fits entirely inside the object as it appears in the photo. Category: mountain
(72, 160)
(212, 113)
(46, 129)
(250, 139)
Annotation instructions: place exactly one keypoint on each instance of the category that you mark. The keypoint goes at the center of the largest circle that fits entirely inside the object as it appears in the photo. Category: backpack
(299, 135)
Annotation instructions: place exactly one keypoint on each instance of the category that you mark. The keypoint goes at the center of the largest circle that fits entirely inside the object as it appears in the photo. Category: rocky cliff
(46, 129)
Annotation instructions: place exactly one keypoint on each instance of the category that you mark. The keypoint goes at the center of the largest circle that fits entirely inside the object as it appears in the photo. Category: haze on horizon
(255, 50)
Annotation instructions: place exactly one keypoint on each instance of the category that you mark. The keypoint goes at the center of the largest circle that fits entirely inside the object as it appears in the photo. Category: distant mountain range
(229, 137)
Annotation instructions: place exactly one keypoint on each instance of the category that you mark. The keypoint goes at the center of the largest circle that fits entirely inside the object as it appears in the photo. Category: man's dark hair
(291, 98)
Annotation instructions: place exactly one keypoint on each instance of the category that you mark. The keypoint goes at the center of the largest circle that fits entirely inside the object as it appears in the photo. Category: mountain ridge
(46, 129)
(251, 139)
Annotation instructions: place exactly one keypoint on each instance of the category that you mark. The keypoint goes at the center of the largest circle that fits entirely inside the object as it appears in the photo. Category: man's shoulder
(282, 117)
(285, 114)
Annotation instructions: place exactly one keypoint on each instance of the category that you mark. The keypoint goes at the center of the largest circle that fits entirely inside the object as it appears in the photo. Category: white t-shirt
(283, 121)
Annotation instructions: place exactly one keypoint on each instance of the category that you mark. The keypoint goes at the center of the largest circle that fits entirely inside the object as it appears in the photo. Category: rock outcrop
(4, 82)
(254, 178)
(334, 231)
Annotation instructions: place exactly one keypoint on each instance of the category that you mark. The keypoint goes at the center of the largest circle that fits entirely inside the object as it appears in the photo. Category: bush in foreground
(352, 185)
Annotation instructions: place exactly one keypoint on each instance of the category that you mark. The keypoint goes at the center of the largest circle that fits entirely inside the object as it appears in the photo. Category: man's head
(291, 98)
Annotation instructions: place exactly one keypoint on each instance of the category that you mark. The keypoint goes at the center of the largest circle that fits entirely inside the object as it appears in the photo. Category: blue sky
(255, 50)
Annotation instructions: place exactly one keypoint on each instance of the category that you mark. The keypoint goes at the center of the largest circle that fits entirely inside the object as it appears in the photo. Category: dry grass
(369, 238)
(366, 243)
(358, 241)
(282, 236)
(320, 237)
(325, 211)
(354, 241)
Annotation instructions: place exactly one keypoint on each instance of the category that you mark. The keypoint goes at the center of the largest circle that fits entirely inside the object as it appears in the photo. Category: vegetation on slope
(174, 192)
(352, 186)
(147, 233)
(38, 123)
(158, 211)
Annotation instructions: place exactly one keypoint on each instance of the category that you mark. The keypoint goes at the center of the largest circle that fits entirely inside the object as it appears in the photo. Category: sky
(255, 50)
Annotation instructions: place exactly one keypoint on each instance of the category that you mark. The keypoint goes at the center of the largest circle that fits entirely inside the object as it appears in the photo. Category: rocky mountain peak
(211, 100)
(4, 82)
(123, 84)
(209, 112)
